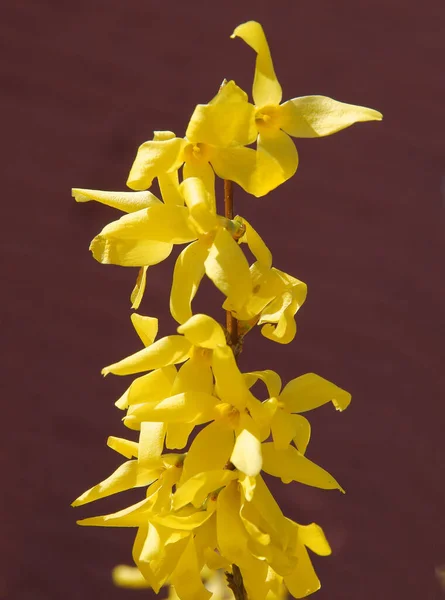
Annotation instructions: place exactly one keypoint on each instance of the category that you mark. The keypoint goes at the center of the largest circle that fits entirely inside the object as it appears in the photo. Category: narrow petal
(227, 120)
(291, 465)
(187, 275)
(186, 577)
(129, 253)
(303, 580)
(166, 351)
(128, 475)
(139, 288)
(317, 116)
(230, 384)
(210, 450)
(202, 330)
(152, 387)
(146, 328)
(270, 378)
(187, 407)
(283, 429)
(125, 447)
(228, 268)
(195, 375)
(129, 577)
(200, 201)
(203, 171)
(279, 147)
(256, 245)
(153, 158)
(151, 443)
(125, 201)
(178, 435)
(266, 89)
(310, 391)
(302, 432)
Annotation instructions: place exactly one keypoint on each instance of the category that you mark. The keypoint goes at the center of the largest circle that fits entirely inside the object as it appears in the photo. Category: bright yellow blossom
(304, 117)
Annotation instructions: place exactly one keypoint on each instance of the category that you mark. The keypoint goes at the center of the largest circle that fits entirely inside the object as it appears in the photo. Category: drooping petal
(266, 89)
(128, 475)
(256, 245)
(186, 518)
(178, 435)
(228, 268)
(187, 275)
(139, 288)
(152, 387)
(155, 157)
(246, 455)
(310, 391)
(303, 580)
(196, 489)
(131, 516)
(168, 181)
(283, 430)
(200, 202)
(201, 170)
(271, 379)
(187, 407)
(151, 443)
(210, 450)
(202, 330)
(279, 147)
(186, 577)
(129, 253)
(291, 465)
(226, 120)
(317, 116)
(125, 201)
(146, 328)
(166, 351)
(302, 432)
(195, 375)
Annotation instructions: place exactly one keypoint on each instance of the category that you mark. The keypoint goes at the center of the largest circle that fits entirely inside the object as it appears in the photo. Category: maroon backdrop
(83, 84)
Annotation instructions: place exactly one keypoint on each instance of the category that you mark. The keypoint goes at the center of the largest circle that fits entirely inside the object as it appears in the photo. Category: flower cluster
(206, 505)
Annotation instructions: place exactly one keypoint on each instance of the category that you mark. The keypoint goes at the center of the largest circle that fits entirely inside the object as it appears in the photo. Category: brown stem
(235, 583)
(231, 322)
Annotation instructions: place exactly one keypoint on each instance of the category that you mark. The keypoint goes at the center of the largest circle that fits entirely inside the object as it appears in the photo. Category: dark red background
(83, 84)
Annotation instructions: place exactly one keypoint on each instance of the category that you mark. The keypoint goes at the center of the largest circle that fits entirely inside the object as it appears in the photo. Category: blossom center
(197, 153)
(268, 118)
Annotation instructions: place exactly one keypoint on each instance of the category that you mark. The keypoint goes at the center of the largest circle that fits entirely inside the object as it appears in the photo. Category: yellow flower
(307, 116)
(214, 143)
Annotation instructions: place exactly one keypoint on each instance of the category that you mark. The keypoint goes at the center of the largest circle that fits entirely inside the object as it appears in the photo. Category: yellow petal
(279, 147)
(228, 268)
(129, 253)
(230, 384)
(283, 429)
(139, 288)
(178, 435)
(291, 465)
(303, 580)
(125, 447)
(210, 450)
(166, 351)
(203, 171)
(256, 172)
(256, 245)
(313, 537)
(302, 432)
(151, 443)
(189, 270)
(153, 158)
(161, 223)
(195, 375)
(186, 577)
(246, 455)
(317, 116)
(227, 120)
(266, 89)
(154, 386)
(196, 489)
(202, 330)
(146, 328)
(125, 201)
(310, 391)
(270, 378)
(128, 577)
(187, 407)
(131, 516)
(200, 201)
(128, 475)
